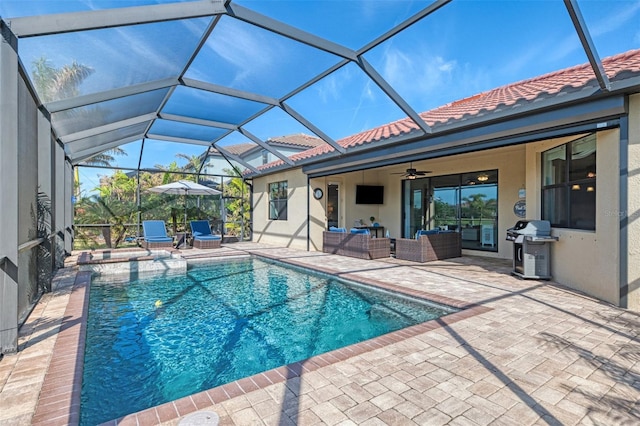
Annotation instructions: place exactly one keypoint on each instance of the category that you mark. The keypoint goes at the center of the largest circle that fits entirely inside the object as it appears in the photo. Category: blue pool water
(157, 339)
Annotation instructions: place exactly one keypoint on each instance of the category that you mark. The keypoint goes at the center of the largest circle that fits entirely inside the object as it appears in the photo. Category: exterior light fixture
(483, 177)
(591, 174)
(575, 187)
(590, 189)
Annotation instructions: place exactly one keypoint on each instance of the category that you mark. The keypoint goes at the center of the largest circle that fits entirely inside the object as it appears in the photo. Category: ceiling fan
(412, 173)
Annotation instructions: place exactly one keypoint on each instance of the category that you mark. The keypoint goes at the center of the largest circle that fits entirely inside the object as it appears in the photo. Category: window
(278, 201)
(569, 184)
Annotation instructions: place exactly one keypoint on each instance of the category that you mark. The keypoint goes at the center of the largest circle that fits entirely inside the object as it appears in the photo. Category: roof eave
(468, 131)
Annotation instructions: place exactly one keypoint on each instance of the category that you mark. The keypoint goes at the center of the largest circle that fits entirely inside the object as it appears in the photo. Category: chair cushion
(158, 239)
(207, 237)
(426, 232)
(153, 229)
(360, 231)
(200, 227)
(335, 229)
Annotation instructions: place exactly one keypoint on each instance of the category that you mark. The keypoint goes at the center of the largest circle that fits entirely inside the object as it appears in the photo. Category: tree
(53, 84)
(236, 194)
(194, 162)
(477, 206)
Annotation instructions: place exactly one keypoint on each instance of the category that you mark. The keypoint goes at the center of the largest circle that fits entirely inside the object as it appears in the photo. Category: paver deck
(525, 352)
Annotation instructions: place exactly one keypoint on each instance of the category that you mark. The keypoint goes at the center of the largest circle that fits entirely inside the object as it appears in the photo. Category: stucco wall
(291, 232)
(633, 206)
(585, 260)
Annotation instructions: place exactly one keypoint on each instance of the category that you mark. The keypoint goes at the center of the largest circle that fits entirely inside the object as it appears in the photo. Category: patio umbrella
(184, 187)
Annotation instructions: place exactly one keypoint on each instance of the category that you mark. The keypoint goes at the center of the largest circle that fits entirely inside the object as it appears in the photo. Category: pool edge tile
(69, 346)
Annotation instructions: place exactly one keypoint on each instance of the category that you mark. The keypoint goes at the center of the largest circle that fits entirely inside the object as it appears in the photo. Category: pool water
(156, 339)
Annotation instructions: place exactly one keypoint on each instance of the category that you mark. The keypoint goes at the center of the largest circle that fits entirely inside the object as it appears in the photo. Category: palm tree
(53, 84)
(193, 162)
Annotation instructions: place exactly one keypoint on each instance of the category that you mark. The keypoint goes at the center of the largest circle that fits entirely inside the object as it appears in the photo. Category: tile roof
(300, 140)
(237, 149)
(617, 67)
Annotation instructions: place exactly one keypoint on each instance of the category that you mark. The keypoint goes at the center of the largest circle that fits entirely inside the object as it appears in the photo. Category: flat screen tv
(369, 194)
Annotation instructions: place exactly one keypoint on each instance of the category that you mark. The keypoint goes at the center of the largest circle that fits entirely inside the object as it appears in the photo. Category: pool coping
(60, 397)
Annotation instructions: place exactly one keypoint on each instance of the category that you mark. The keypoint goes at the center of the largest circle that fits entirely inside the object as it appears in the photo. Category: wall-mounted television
(369, 194)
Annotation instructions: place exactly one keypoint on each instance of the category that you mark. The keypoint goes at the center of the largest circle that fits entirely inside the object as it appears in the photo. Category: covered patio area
(521, 352)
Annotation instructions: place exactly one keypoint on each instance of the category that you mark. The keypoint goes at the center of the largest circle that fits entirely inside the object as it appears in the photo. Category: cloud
(244, 49)
(333, 87)
(417, 73)
(614, 21)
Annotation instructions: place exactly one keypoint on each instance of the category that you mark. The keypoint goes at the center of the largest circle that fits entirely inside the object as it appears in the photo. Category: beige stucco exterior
(587, 261)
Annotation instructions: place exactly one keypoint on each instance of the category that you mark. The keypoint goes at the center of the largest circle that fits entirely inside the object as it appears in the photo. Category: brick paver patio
(522, 353)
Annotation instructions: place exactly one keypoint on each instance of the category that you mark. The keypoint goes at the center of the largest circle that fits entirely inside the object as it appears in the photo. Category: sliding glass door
(414, 209)
(465, 203)
(445, 205)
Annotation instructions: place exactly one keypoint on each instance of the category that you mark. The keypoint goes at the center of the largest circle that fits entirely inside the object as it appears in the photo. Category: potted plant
(372, 219)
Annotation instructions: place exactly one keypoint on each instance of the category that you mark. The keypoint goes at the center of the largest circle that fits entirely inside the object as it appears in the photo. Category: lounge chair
(155, 235)
(202, 236)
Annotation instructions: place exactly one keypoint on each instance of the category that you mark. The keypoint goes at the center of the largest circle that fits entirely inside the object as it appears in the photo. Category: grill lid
(531, 228)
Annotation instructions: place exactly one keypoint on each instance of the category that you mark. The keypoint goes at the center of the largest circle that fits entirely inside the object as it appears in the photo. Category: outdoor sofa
(356, 243)
(429, 245)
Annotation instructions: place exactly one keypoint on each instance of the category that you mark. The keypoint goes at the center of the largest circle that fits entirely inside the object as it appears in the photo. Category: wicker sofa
(355, 245)
(429, 247)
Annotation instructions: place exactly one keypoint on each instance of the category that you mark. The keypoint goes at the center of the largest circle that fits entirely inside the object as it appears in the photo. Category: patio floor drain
(200, 418)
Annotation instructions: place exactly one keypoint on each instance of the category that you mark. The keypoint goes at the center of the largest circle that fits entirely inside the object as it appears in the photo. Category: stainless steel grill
(531, 249)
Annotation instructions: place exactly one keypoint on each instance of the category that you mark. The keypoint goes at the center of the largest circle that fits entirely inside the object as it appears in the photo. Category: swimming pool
(156, 339)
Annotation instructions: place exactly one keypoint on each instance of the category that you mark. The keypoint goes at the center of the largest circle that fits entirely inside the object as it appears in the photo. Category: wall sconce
(590, 189)
(575, 187)
(591, 175)
(483, 177)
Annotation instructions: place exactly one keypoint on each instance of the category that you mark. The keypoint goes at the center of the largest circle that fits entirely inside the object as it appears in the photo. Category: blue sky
(462, 49)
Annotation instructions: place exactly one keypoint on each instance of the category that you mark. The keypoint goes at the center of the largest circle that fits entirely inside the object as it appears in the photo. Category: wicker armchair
(361, 246)
(426, 248)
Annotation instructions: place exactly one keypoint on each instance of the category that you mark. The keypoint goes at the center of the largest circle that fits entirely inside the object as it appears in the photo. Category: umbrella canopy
(184, 187)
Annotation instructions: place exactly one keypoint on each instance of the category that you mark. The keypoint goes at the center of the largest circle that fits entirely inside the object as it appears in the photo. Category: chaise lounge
(202, 236)
(155, 235)
(357, 243)
(429, 245)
